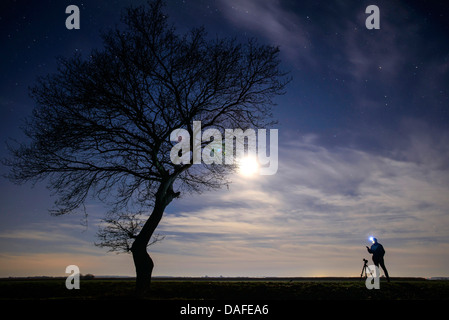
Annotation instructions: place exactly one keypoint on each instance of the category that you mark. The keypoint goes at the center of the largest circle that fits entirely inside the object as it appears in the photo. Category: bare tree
(118, 231)
(102, 124)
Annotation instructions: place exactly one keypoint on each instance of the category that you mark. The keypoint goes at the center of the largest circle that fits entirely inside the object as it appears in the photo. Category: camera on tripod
(365, 266)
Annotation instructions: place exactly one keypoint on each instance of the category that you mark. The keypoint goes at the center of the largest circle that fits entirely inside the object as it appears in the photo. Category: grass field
(227, 289)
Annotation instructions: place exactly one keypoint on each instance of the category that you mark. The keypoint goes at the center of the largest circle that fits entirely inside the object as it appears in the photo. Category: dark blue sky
(363, 135)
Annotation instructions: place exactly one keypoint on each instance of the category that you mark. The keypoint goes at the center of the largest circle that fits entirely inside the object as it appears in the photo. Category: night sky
(363, 145)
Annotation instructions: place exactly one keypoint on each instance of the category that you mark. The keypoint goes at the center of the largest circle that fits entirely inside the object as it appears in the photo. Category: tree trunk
(144, 268)
(142, 260)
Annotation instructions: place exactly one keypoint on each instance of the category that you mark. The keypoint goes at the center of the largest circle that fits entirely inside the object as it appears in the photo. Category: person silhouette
(378, 252)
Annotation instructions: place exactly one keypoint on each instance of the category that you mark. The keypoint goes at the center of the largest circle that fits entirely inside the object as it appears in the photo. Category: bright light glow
(248, 166)
(371, 239)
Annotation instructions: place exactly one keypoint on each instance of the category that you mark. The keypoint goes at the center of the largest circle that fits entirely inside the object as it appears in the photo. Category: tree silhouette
(102, 124)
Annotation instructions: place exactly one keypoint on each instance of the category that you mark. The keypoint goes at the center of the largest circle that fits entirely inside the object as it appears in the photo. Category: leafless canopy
(102, 123)
(119, 230)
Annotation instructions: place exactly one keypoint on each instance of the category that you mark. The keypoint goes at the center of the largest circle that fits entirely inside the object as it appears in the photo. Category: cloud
(44, 238)
(277, 24)
(321, 205)
(46, 249)
(399, 68)
(312, 218)
(36, 235)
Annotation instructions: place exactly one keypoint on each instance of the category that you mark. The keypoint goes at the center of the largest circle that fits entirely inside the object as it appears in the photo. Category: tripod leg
(363, 270)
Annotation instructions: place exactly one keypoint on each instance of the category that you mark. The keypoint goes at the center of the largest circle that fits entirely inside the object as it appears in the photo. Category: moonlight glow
(248, 166)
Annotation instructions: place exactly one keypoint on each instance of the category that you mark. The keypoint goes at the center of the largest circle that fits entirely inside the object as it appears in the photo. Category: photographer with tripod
(378, 252)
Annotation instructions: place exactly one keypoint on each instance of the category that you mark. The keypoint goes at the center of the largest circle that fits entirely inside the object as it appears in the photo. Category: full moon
(248, 166)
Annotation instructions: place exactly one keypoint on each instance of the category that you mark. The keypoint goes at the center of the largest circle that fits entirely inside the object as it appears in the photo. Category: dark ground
(227, 289)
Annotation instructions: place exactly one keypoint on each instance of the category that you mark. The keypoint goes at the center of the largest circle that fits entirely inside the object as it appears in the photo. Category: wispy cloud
(269, 19)
(38, 249)
(35, 233)
(321, 206)
(323, 202)
(56, 237)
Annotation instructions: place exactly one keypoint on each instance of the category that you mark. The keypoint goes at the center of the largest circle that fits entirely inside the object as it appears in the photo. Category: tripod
(365, 266)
